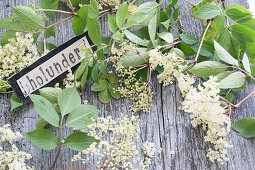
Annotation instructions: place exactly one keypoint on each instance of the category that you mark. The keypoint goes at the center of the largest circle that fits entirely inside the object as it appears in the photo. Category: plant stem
(182, 16)
(250, 95)
(53, 10)
(59, 143)
(45, 28)
(202, 40)
(190, 3)
(109, 6)
(71, 5)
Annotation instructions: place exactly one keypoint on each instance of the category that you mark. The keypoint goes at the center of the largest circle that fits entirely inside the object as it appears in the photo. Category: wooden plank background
(166, 126)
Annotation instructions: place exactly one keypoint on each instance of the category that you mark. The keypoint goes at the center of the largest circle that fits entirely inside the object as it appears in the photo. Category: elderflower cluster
(207, 112)
(171, 63)
(149, 149)
(116, 149)
(16, 55)
(130, 85)
(119, 151)
(14, 159)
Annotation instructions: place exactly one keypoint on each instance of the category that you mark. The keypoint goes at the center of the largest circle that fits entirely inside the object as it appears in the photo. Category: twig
(71, 5)
(45, 28)
(202, 40)
(109, 6)
(133, 2)
(53, 10)
(190, 3)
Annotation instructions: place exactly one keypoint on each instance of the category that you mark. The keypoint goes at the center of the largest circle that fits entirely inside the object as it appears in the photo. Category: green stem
(181, 16)
(53, 10)
(202, 40)
(59, 143)
(45, 28)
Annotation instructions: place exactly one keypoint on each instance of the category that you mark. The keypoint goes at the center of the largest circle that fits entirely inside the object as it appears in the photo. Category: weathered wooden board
(166, 125)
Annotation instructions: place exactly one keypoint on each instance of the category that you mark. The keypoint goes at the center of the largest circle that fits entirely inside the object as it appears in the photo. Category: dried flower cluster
(117, 147)
(131, 86)
(14, 159)
(206, 111)
(16, 55)
(172, 64)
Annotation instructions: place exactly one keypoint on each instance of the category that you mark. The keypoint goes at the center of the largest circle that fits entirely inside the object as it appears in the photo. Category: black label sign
(49, 69)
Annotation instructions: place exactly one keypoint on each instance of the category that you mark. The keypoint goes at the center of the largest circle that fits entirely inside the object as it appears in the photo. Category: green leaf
(224, 39)
(142, 14)
(29, 17)
(113, 91)
(43, 138)
(7, 23)
(112, 78)
(179, 53)
(112, 24)
(81, 116)
(41, 123)
(229, 97)
(186, 49)
(220, 21)
(68, 99)
(4, 85)
(117, 36)
(246, 127)
(176, 13)
(206, 50)
(99, 86)
(80, 21)
(102, 67)
(50, 93)
(248, 22)
(79, 141)
(80, 70)
(45, 109)
(6, 36)
(188, 39)
(94, 30)
(207, 11)
(224, 55)
(153, 28)
(50, 32)
(236, 12)
(223, 75)
(122, 14)
(242, 32)
(172, 3)
(84, 77)
(246, 63)
(135, 39)
(208, 68)
(104, 96)
(15, 102)
(100, 53)
(166, 36)
(49, 4)
(94, 73)
(93, 10)
(133, 59)
(77, 2)
(234, 80)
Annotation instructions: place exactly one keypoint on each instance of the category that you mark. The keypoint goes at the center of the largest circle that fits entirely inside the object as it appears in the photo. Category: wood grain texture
(166, 126)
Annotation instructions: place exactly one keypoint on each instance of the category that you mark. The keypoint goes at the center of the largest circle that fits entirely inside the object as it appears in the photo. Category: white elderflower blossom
(7, 135)
(149, 149)
(119, 150)
(206, 111)
(17, 54)
(14, 159)
(130, 86)
(172, 64)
